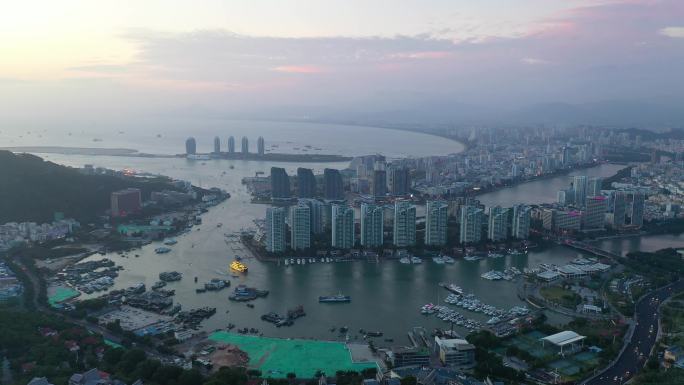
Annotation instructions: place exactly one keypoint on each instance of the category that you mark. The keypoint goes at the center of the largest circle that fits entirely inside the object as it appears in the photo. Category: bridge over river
(582, 246)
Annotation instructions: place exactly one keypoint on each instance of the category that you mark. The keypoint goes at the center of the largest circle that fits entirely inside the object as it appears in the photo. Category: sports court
(530, 343)
(61, 294)
(277, 357)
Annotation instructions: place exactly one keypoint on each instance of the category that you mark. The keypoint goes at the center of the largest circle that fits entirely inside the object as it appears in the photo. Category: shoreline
(275, 157)
(131, 153)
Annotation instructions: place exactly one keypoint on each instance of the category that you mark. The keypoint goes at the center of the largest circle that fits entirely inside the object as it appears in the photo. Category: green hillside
(32, 189)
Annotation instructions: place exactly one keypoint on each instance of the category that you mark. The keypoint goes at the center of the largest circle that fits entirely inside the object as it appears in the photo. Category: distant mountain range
(663, 113)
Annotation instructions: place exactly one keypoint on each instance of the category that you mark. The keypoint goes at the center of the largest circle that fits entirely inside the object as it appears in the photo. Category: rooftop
(563, 338)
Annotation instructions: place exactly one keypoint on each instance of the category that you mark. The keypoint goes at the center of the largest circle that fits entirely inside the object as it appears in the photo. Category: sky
(64, 61)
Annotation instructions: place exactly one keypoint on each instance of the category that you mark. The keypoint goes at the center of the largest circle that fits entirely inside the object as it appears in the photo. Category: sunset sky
(110, 57)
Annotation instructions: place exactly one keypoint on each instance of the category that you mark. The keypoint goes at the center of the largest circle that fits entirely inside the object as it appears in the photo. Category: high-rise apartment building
(471, 224)
(594, 186)
(300, 226)
(637, 209)
(372, 221)
(342, 227)
(579, 187)
(190, 146)
(497, 229)
(404, 224)
(379, 185)
(619, 209)
(400, 181)
(436, 216)
(306, 183)
(275, 229)
(332, 181)
(520, 228)
(280, 183)
(594, 215)
(261, 146)
(316, 209)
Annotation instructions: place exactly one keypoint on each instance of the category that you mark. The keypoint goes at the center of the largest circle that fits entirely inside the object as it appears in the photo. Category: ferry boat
(452, 288)
(170, 241)
(339, 298)
(238, 266)
(162, 250)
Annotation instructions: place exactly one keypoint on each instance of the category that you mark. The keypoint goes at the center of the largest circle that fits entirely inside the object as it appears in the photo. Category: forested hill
(32, 189)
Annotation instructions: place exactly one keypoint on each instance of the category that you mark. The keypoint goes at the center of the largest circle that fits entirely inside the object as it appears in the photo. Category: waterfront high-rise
(520, 228)
(401, 181)
(280, 183)
(379, 185)
(261, 146)
(594, 216)
(190, 146)
(637, 209)
(372, 220)
(471, 224)
(332, 181)
(275, 229)
(306, 183)
(342, 226)
(436, 216)
(497, 229)
(404, 224)
(245, 145)
(594, 186)
(217, 145)
(316, 209)
(579, 187)
(231, 145)
(619, 209)
(300, 227)
(561, 220)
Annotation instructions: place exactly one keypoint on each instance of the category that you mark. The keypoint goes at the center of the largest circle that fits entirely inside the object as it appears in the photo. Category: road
(643, 339)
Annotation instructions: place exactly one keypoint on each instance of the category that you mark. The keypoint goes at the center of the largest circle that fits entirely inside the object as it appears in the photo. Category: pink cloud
(422, 55)
(299, 69)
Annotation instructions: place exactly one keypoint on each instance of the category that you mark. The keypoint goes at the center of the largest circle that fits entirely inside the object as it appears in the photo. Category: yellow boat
(238, 266)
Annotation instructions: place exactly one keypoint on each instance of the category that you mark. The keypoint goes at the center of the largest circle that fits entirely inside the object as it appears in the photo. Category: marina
(376, 288)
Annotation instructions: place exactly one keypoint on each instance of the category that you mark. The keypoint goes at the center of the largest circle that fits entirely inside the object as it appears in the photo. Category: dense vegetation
(33, 190)
(673, 376)
(32, 354)
(662, 267)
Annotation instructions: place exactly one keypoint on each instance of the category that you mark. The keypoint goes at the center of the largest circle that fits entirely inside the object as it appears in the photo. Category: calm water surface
(167, 136)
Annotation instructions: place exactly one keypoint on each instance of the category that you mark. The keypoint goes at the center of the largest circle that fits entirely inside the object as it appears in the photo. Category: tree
(409, 380)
